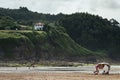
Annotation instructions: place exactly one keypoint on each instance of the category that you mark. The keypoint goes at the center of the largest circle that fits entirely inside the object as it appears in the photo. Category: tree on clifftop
(7, 23)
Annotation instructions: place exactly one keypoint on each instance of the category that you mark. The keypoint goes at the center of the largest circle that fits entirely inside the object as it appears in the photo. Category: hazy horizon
(105, 8)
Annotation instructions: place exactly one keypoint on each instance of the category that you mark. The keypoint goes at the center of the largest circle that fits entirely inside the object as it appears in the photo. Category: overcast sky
(105, 8)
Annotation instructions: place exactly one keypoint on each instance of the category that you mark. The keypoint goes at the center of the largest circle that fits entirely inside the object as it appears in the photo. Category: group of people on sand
(101, 66)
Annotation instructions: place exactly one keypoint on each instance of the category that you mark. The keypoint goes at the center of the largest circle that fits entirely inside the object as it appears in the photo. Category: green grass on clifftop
(52, 44)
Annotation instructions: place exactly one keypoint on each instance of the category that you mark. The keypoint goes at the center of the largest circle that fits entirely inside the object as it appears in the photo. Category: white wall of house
(38, 26)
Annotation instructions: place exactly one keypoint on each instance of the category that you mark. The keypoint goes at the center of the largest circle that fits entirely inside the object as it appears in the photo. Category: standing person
(102, 66)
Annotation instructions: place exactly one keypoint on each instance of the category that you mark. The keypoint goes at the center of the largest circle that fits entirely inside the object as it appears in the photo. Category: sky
(105, 8)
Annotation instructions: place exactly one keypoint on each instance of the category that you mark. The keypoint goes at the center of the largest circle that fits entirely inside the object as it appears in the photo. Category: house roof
(40, 24)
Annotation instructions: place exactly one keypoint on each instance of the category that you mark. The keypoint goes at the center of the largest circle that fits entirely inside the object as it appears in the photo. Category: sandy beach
(57, 76)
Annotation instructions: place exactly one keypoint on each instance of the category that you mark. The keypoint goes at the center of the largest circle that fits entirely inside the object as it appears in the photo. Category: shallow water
(82, 69)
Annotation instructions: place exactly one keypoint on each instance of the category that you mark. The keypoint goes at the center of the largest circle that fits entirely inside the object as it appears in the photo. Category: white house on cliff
(38, 26)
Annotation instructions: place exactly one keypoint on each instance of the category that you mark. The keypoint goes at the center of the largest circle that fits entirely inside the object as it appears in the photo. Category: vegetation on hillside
(26, 17)
(94, 32)
(51, 44)
(89, 31)
(8, 23)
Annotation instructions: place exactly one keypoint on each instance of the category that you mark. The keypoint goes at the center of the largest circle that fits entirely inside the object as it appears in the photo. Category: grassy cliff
(52, 44)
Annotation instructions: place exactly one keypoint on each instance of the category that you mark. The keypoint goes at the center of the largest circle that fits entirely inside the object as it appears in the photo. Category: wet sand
(57, 76)
(56, 73)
